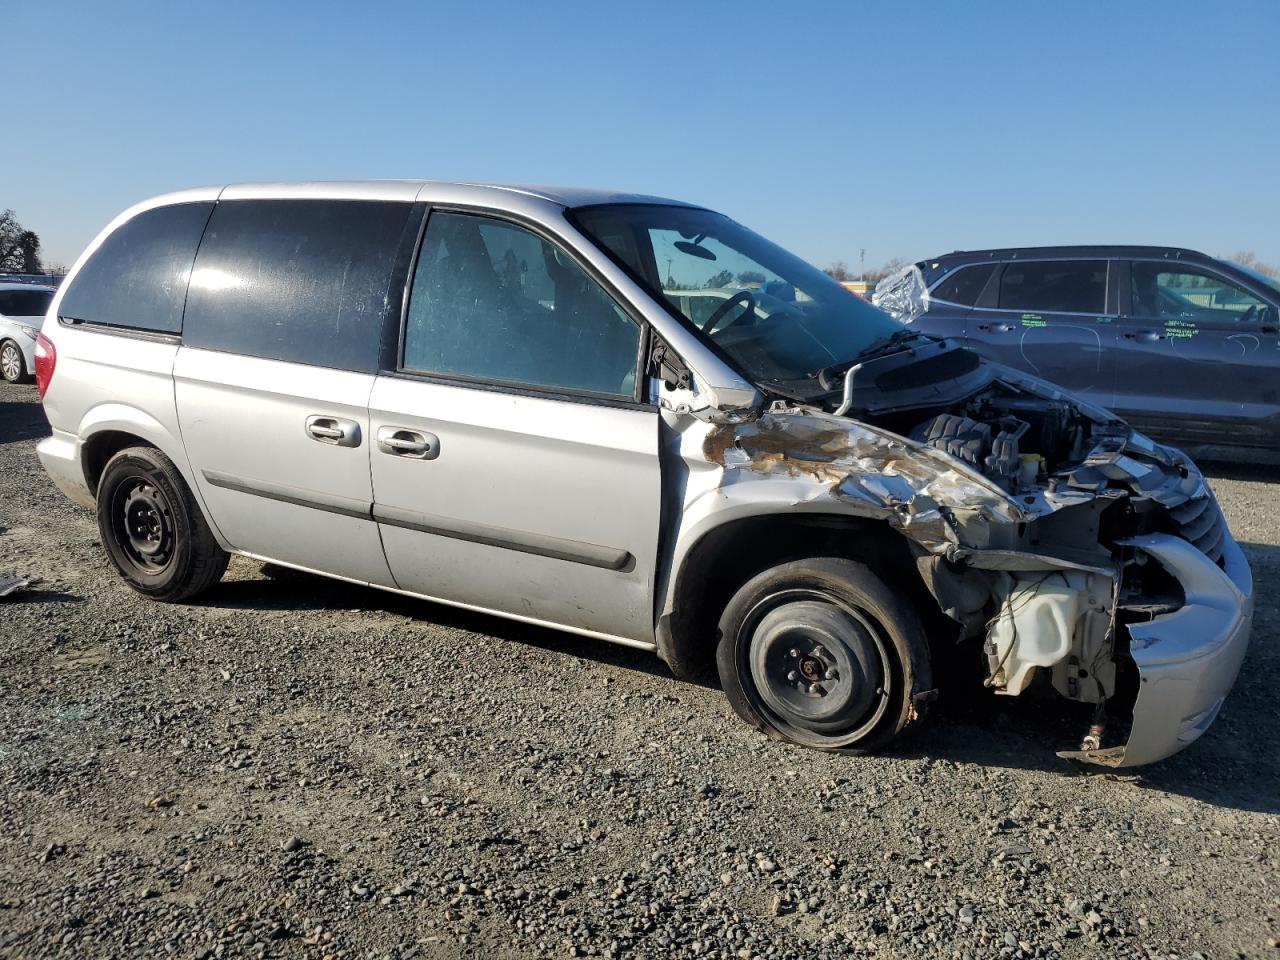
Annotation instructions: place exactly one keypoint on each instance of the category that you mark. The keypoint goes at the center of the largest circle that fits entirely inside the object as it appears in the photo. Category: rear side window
(963, 286)
(1065, 286)
(24, 303)
(138, 277)
(306, 281)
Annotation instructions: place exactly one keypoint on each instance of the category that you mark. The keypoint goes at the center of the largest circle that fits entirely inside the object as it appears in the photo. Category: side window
(1187, 293)
(307, 281)
(494, 301)
(1049, 286)
(963, 286)
(25, 303)
(138, 277)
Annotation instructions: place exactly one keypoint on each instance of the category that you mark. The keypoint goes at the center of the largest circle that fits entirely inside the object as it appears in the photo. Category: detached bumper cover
(1187, 660)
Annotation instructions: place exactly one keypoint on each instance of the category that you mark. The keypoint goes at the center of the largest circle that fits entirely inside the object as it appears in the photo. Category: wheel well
(728, 556)
(100, 448)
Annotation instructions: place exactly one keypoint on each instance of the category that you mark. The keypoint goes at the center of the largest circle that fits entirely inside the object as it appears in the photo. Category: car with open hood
(636, 420)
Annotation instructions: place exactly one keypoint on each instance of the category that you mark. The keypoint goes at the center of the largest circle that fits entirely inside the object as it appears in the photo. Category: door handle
(996, 327)
(333, 430)
(1145, 336)
(413, 444)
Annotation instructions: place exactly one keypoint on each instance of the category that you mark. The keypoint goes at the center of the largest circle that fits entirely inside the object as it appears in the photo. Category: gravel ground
(296, 767)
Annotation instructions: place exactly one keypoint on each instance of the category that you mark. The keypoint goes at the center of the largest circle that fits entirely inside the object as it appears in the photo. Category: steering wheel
(745, 297)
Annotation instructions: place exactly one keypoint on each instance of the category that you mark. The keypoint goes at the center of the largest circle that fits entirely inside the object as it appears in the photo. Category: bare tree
(1247, 258)
(19, 247)
(839, 271)
(890, 266)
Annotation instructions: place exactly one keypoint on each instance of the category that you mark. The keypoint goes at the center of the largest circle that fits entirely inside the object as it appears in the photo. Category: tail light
(46, 360)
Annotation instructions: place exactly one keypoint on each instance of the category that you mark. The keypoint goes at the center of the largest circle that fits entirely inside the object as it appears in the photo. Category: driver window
(496, 302)
(1186, 293)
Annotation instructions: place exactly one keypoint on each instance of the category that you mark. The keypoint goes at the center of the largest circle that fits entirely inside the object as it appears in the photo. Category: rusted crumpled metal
(871, 471)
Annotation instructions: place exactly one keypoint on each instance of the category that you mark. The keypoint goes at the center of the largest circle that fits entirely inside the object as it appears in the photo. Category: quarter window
(137, 278)
(1186, 293)
(964, 286)
(1048, 286)
(495, 302)
(306, 281)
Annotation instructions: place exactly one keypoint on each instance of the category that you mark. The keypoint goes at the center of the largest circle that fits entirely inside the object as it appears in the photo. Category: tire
(152, 528)
(13, 365)
(821, 653)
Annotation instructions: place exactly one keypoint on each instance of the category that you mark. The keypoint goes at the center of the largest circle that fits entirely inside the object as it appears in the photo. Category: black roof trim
(1083, 250)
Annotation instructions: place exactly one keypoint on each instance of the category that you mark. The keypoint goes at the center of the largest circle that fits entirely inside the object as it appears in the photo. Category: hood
(1012, 451)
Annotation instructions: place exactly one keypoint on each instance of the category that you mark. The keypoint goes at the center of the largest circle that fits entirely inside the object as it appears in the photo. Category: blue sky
(904, 129)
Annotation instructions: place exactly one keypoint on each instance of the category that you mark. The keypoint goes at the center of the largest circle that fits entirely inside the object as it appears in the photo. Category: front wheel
(152, 528)
(822, 653)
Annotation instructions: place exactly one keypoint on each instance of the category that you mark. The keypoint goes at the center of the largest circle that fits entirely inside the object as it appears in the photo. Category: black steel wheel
(142, 524)
(822, 653)
(153, 529)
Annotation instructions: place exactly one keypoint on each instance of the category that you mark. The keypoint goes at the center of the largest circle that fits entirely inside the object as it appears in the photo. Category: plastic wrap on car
(902, 295)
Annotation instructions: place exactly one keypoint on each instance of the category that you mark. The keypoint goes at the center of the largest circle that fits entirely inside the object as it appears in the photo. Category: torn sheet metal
(872, 471)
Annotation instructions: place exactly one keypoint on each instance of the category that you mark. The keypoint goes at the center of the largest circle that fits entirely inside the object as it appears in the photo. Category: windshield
(777, 317)
(24, 303)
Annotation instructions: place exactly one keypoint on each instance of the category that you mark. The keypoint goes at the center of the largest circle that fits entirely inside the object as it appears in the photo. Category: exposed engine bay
(1045, 528)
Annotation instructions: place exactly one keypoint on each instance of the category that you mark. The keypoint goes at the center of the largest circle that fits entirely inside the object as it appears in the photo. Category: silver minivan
(504, 398)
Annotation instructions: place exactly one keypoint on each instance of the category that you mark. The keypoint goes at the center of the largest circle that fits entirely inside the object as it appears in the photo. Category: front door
(1198, 358)
(515, 465)
(1051, 318)
(951, 300)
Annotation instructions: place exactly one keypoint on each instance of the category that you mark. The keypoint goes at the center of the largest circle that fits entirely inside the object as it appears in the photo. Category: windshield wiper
(877, 347)
(826, 377)
(850, 369)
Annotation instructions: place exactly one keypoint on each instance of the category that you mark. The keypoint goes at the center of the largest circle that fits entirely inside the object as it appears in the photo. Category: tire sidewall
(850, 583)
(140, 462)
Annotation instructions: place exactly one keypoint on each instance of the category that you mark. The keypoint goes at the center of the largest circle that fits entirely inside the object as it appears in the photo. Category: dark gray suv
(1184, 346)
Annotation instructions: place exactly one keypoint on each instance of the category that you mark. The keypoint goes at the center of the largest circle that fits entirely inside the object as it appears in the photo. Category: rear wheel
(152, 528)
(822, 653)
(13, 366)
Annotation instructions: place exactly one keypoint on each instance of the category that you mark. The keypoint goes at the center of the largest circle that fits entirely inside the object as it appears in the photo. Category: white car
(22, 310)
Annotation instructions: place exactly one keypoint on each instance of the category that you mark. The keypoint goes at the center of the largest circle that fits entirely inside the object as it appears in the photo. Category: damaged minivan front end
(1071, 547)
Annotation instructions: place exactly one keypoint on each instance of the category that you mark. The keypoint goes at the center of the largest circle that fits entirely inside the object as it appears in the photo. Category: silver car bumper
(60, 456)
(1187, 660)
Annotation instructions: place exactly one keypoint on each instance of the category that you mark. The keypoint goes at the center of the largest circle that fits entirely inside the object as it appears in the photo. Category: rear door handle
(413, 444)
(997, 327)
(333, 430)
(1145, 336)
